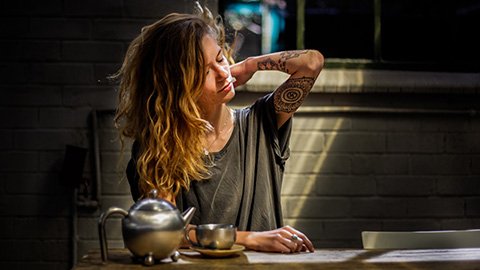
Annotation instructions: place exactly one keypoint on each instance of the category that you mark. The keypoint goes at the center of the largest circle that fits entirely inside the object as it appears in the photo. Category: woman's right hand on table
(284, 240)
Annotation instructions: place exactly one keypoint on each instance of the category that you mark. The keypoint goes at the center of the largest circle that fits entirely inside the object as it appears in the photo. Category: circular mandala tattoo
(290, 95)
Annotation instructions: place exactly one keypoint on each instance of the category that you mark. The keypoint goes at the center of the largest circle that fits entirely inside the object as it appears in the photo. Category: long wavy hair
(160, 83)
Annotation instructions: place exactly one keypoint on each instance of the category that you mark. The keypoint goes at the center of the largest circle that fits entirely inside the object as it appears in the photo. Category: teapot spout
(187, 215)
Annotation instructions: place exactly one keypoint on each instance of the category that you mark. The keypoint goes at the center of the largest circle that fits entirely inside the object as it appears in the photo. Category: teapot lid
(153, 203)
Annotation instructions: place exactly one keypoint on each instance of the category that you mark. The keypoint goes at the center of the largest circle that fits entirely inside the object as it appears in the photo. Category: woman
(175, 84)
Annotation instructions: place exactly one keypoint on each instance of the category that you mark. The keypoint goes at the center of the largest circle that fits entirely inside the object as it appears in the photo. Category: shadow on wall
(396, 171)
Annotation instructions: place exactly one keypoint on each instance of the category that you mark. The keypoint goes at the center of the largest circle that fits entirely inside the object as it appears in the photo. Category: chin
(230, 95)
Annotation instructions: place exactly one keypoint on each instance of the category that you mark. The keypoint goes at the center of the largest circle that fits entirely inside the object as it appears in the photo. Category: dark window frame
(376, 61)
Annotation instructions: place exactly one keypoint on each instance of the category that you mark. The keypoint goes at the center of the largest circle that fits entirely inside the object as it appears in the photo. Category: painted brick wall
(54, 58)
(382, 172)
(349, 170)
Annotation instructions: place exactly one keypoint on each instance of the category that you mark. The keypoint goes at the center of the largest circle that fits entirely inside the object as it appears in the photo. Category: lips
(226, 88)
(230, 81)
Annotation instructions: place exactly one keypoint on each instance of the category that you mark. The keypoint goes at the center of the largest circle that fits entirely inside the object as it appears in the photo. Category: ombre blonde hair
(160, 83)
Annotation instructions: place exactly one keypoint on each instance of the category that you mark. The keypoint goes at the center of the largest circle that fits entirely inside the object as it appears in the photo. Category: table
(339, 259)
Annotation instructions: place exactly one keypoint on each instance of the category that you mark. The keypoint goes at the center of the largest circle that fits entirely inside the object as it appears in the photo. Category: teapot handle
(101, 229)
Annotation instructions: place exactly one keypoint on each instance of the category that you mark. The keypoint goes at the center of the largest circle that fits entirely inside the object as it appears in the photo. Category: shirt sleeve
(279, 137)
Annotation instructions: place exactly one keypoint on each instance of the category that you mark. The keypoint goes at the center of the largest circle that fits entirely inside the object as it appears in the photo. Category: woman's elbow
(317, 61)
(314, 63)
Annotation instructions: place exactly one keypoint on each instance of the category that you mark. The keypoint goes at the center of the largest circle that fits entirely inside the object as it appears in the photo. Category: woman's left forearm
(298, 63)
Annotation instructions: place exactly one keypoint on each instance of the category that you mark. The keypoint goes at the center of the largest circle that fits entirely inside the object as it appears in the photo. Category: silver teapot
(152, 229)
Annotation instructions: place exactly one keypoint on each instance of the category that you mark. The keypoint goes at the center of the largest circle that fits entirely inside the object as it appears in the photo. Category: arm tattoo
(284, 56)
(281, 64)
(290, 95)
(268, 64)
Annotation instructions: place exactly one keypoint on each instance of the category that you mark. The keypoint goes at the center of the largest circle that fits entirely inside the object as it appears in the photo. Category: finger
(288, 243)
(298, 242)
(300, 246)
(235, 70)
(282, 247)
(304, 238)
(309, 244)
(294, 239)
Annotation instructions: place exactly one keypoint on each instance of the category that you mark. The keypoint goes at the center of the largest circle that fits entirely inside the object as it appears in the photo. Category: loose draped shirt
(246, 175)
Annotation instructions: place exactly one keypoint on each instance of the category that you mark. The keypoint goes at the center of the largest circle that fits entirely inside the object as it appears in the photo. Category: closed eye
(219, 59)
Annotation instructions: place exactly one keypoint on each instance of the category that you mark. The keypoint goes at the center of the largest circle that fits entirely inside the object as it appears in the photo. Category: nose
(223, 72)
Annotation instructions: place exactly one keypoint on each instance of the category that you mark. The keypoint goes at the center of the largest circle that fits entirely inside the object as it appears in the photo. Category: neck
(219, 118)
(222, 125)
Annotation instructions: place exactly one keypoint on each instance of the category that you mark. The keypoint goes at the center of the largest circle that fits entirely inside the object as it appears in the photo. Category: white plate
(421, 239)
(235, 249)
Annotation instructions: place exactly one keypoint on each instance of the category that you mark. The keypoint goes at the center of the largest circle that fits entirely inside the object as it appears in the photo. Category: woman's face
(217, 88)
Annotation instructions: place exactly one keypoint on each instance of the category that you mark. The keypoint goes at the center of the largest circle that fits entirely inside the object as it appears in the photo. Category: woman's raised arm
(304, 66)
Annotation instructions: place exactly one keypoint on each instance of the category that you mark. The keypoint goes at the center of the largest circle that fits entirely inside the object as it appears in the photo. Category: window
(252, 19)
(437, 32)
(340, 29)
(403, 34)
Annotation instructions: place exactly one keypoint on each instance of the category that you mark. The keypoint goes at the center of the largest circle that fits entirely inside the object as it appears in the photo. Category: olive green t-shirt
(247, 174)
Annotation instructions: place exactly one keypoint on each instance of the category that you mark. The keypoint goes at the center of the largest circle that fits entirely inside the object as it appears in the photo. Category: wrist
(251, 64)
(242, 238)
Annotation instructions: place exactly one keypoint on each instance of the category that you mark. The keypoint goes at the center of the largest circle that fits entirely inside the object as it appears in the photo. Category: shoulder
(260, 113)
(262, 105)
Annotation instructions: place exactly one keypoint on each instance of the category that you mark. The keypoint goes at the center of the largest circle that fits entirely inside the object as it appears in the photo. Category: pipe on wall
(92, 201)
(96, 154)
